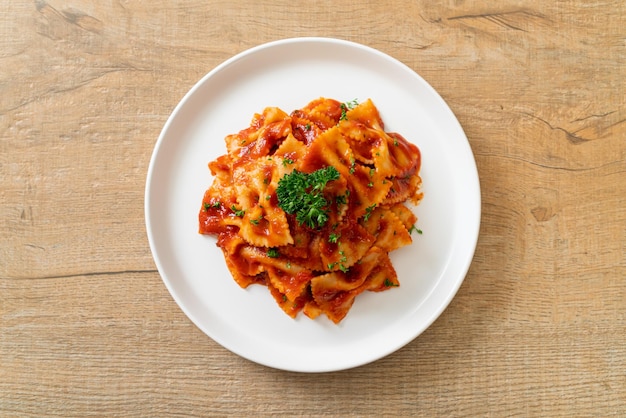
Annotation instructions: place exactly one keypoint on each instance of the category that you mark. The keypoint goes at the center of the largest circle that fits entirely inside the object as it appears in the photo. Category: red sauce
(341, 254)
(212, 214)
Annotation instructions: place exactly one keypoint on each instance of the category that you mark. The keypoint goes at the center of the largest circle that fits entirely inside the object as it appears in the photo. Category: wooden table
(538, 327)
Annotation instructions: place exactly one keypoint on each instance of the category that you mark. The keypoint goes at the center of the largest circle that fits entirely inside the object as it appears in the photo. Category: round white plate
(288, 74)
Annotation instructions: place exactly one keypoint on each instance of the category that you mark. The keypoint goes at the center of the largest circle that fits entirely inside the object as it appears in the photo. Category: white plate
(288, 74)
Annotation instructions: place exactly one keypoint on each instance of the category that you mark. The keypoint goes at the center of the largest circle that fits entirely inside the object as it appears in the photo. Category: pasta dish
(311, 203)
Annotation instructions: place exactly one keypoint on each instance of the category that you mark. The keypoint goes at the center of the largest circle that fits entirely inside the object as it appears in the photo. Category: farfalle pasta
(311, 203)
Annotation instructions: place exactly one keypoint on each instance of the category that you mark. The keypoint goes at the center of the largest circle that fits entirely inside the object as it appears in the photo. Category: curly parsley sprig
(302, 194)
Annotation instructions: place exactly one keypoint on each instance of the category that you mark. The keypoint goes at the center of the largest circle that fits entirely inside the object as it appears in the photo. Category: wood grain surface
(87, 326)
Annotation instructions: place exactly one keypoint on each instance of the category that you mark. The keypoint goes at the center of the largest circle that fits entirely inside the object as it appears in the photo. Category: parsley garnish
(333, 238)
(347, 106)
(389, 283)
(352, 165)
(287, 161)
(342, 199)
(416, 229)
(237, 212)
(343, 268)
(302, 194)
(273, 253)
(216, 205)
(368, 212)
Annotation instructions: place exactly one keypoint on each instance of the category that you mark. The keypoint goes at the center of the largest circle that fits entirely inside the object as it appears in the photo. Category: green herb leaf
(389, 283)
(302, 194)
(207, 205)
(368, 212)
(273, 253)
(237, 212)
(352, 165)
(347, 106)
(416, 229)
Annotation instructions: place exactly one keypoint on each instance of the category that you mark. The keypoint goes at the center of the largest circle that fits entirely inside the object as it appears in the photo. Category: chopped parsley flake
(347, 106)
(333, 238)
(216, 205)
(237, 212)
(342, 199)
(416, 229)
(352, 165)
(389, 283)
(368, 212)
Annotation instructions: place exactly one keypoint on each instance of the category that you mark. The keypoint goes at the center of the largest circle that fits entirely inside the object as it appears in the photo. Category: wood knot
(542, 214)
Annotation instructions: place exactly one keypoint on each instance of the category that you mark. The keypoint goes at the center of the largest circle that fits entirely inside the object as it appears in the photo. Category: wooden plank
(87, 326)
